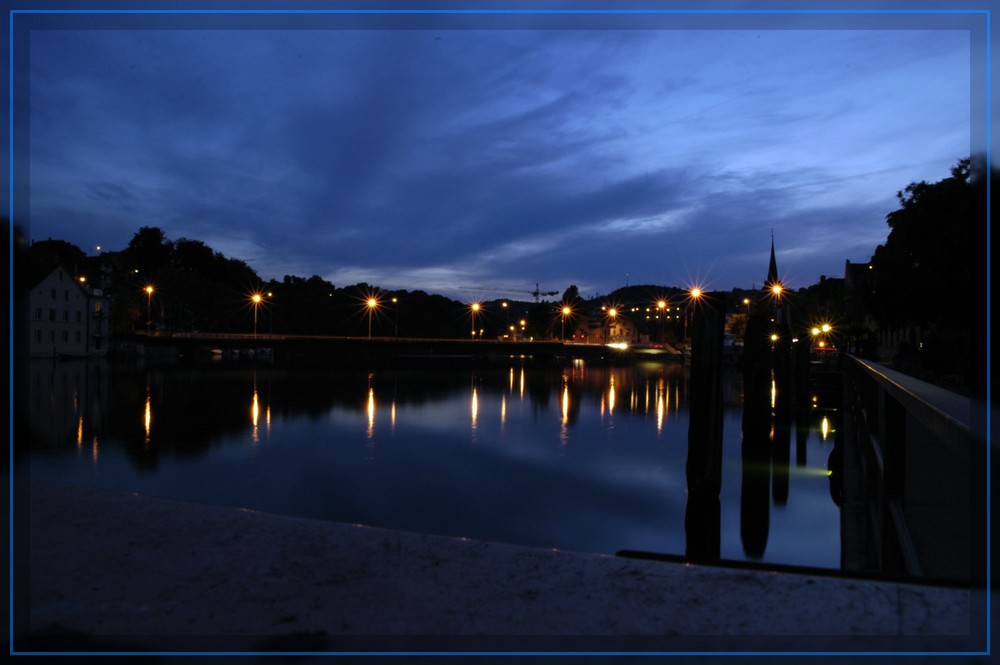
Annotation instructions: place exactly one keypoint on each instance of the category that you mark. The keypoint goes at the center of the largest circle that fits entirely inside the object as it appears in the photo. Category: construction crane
(536, 293)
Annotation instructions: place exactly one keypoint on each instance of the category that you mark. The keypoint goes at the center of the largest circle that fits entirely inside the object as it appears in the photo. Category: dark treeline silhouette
(198, 289)
(919, 302)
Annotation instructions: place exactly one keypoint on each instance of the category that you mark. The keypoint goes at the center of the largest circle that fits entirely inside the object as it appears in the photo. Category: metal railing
(920, 466)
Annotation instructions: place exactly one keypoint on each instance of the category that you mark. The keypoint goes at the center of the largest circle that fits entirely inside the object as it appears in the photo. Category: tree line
(930, 275)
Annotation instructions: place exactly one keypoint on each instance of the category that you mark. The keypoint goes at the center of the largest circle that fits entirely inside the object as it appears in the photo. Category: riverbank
(108, 571)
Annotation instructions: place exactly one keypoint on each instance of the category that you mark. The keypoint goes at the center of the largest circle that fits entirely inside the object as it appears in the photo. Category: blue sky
(595, 151)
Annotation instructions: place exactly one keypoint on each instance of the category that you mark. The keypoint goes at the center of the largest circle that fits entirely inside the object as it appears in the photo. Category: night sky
(497, 151)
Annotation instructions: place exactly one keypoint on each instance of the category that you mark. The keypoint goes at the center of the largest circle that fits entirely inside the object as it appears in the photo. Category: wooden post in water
(756, 454)
(704, 460)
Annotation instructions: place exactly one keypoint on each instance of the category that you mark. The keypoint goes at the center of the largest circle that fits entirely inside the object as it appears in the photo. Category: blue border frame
(488, 12)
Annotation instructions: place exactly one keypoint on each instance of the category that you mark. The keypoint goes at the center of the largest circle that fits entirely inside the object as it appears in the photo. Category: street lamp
(695, 294)
(565, 312)
(820, 334)
(395, 311)
(255, 299)
(475, 309)
(149, 308)
(661, 307)
(270, 317)
(372, 303)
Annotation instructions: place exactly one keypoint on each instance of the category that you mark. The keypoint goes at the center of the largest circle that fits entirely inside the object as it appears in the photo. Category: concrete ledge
(105, 571)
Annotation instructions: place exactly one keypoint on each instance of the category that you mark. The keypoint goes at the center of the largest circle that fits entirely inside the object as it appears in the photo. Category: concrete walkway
(108, 572)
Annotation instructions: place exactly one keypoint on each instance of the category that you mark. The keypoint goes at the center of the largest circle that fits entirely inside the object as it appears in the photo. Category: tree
(148, 251)
(926, 273)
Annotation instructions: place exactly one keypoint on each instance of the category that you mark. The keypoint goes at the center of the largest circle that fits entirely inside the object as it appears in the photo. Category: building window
(38, 335)
(65, 336)
(77, 336)
(53, 294)
(52, 335)
(52, 315)
(66, 294)
(38, 314)
(79, 316)
(66, 315)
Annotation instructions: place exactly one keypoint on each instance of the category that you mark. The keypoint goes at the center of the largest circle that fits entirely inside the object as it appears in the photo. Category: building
(66, 317)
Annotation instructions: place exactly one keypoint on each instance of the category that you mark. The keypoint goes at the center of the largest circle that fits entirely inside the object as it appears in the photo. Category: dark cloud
(422, 158)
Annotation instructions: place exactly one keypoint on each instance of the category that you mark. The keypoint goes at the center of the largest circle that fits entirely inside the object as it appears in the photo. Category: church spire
(772, 268)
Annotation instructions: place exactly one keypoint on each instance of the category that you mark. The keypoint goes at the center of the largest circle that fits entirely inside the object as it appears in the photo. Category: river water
(576, 457)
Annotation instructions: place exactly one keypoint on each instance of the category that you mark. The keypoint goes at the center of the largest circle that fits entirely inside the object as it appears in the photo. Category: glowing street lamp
(661, 307)
(820, 333)
(475, 307)
(149, 307)
(695, 294)
(372, 304)
(566, 311)
(255, 299)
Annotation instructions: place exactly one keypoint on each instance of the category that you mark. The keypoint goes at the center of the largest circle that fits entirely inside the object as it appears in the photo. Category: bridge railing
(922, 470)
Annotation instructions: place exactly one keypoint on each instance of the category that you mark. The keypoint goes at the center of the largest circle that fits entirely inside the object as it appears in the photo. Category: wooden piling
(704, 460)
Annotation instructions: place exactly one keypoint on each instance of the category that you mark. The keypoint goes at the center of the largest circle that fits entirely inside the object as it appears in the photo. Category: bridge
(329, 349)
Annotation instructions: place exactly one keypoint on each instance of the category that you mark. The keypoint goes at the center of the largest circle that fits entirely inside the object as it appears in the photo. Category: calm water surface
(588, 458)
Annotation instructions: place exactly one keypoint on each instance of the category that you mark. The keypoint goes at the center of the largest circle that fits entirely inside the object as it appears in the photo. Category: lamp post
(776, 291)
(149, 308)
(565, 312)
(255, 298)
(475, 309)
(371, 304)
(695, 295)
(820, 333)
(661, 308)
(270, 317)
(395, 311)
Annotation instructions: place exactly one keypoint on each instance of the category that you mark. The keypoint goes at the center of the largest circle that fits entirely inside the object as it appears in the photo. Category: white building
(66, 318)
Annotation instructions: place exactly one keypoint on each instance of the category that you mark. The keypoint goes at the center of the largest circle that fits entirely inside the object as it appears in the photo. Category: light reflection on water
(577, 457)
